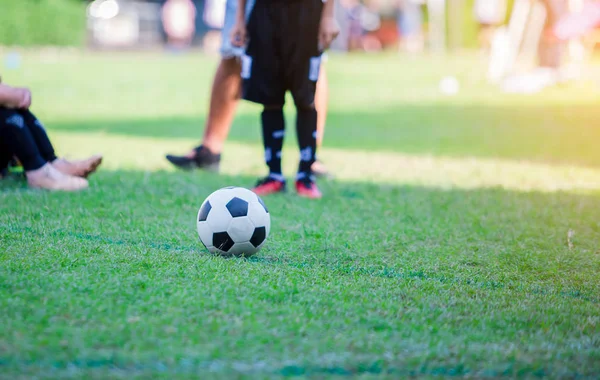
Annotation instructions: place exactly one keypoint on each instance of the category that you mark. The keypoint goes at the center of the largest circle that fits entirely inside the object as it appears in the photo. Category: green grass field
(441, 249)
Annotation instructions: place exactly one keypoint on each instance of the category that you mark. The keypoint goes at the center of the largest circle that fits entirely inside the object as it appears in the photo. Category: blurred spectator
(490, 14)
(551, 49)
(353, 10)
(23, 135)
(582, 22)
(179, 20)
(213, 17)
(410, 25)
(362, 19)
(371, 23)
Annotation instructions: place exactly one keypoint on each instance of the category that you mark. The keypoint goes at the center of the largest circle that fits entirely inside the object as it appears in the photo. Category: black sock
(273, 126)
(39, 135)
(15, 136)
(306, 128)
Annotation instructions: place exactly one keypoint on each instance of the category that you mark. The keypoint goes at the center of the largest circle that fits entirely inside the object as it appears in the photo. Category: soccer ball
(233, 221)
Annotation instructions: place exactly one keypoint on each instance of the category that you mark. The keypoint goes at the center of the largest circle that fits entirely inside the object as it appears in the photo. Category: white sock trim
(277, 176)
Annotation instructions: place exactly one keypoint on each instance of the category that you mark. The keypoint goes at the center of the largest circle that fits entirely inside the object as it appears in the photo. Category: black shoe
(202, 159)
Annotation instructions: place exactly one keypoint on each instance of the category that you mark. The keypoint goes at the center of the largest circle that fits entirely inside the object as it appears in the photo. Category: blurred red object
(387, 33)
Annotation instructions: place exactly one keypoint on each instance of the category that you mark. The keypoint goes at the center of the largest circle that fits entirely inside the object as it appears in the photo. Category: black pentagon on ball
(262, 204)
(204, 210)
(258, 237)
(222, 241)
(237, 207)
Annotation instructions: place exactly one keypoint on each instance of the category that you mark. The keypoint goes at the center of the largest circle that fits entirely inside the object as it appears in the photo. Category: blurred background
(516, 36)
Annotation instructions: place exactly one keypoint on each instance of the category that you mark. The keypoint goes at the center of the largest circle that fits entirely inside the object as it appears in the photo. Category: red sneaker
(308, 189)
(269, 186)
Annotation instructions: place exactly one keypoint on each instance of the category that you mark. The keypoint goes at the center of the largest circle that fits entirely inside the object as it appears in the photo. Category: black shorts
(283, 52)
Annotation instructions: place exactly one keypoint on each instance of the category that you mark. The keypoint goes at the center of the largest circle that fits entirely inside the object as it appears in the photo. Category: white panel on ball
(245, 248)
(245, 194)
(241, 229)
(205, 233)
(219, 219)
(258, 216)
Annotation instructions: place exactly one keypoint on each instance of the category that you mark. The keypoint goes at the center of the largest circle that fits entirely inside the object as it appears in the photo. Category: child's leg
(273, 127)
(301, 62)
(306, 129)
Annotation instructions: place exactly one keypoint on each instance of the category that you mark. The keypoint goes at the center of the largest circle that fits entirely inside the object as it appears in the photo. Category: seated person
(23, 136)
